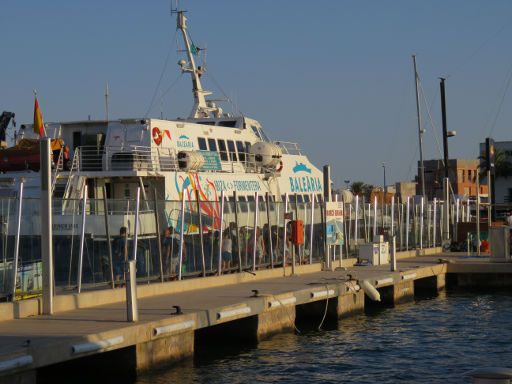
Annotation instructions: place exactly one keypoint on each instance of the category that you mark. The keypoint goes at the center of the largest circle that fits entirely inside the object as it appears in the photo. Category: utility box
(375, 253)
(500, 244)
(297, 232)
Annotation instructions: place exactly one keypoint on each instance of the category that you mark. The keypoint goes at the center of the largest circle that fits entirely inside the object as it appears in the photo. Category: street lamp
(446, 133)
(347, 182)
(446, 182)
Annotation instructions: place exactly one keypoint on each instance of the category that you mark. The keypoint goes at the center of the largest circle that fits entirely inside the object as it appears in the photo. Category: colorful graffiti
(192, 185)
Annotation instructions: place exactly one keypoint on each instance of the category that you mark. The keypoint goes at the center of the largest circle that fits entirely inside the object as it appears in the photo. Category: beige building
(462, 175)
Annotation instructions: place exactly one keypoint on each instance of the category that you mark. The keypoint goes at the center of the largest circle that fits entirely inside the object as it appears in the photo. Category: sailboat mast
(420, 131)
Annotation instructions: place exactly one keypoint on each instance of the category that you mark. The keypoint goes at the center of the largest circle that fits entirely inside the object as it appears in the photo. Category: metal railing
(289, 148)
(185, 239)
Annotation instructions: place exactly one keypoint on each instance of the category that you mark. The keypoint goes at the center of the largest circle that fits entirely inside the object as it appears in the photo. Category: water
(430, 341)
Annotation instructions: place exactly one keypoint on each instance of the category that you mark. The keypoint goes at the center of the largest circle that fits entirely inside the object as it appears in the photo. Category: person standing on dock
(120, 253)
(227, 250)
(508, 219)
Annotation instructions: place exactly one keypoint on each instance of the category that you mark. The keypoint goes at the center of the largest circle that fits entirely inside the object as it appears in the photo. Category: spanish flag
(38, 120)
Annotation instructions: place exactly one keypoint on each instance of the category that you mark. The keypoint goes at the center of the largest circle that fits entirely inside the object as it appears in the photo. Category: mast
(202, 107)
(420, 131)
(445, 129)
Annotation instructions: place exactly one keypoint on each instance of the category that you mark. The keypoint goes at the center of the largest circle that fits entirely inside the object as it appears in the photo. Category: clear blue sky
(335, 76)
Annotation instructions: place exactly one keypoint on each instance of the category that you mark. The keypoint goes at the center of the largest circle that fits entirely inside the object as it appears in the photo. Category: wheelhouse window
(202, 143)
(222, 150)
(212, 145)
(228, 123)
(232, 150)
(241, 150)
(256, 132)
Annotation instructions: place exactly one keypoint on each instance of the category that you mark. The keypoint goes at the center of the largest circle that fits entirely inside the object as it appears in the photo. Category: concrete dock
(244, 307)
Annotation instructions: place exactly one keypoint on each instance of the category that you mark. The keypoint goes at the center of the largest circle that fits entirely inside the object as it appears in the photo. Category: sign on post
(334, 223)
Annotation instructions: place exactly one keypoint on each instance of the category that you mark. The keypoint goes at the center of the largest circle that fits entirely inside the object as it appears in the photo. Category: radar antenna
(202, 108)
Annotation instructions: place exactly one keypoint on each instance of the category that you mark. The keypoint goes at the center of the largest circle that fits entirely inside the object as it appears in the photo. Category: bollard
(132, 311)
(393, 255)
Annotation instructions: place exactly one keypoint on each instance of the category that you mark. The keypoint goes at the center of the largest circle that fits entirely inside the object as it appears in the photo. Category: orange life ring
(280, 167)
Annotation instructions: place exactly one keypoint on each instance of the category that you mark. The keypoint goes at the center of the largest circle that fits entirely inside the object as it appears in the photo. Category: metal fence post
(284, 232)
(46, 225)
(356, 220)
(407, 219)
(82, 239)
(219, 270)
(422, 214)
(17, 243)
(311, 229)
(255, 232)
(182, 228)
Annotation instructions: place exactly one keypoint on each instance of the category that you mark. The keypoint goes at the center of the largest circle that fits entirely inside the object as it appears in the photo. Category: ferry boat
(190, 159)
(202, 155)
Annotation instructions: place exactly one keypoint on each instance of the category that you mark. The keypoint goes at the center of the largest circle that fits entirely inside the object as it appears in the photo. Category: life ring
(280, 167)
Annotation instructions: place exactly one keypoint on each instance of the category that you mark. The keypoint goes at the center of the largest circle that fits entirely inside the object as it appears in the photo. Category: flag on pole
(38, 119)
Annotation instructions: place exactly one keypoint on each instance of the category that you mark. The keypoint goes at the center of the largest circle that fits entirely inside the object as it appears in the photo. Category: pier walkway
(244, 306)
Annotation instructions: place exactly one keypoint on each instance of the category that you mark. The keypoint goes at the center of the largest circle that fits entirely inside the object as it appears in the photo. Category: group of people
(239, 245)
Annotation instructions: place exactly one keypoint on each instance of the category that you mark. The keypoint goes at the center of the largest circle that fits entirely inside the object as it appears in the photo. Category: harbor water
(433, 340)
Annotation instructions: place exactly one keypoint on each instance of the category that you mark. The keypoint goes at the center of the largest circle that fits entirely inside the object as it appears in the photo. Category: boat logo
(301, 167)
(158, 135)
(184, 142)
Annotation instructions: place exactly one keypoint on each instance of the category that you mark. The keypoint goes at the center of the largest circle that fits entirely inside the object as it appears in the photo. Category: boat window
(261, 203)
(256, 132)
(299, 199)
(241, 150)
(77, 139)
(222, 150)
(247, 147)
(264, 136)
(250, 202)
(306, 198)
(283, 198)
(212, 145)
(202, 143)
(271, 203)
(227, 206)
(232, 151)
(229, 123)
(207, 122)
(319, 198)
(242, 205)
(291, 198)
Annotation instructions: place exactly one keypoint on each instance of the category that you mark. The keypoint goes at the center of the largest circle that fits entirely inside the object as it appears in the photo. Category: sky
(335, 76)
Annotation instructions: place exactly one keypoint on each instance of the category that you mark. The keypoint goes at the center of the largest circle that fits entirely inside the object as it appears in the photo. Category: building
(462, 174)
(405, 189)
(502, 183)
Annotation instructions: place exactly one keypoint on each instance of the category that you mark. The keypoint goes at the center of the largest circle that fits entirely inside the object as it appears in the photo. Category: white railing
(288, 147)
(141, 158)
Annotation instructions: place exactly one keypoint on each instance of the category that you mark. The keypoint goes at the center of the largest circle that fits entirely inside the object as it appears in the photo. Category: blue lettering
(291, 184)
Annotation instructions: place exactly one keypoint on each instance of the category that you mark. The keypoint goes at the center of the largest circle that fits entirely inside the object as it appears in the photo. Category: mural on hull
(191, 185)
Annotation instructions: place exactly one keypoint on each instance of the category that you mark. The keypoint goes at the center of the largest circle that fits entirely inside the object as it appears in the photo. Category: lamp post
(347, 182)
(384, 168)
(446, 182)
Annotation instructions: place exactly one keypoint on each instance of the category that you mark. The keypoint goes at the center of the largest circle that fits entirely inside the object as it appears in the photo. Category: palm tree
(502, 166)
(357, 188)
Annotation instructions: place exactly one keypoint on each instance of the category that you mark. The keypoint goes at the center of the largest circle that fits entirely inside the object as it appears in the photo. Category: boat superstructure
(200, 156)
